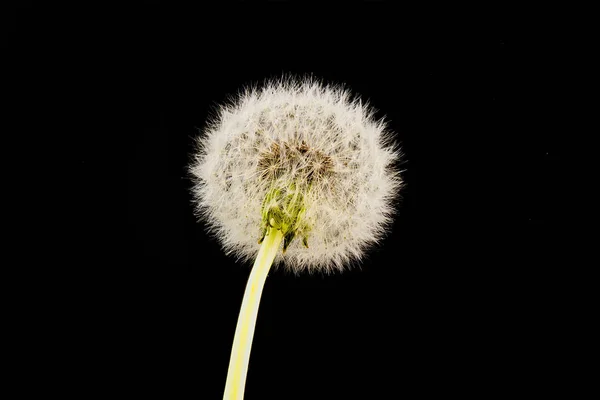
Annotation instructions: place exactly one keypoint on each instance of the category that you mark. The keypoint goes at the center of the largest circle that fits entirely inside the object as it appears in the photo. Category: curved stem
(244, 332)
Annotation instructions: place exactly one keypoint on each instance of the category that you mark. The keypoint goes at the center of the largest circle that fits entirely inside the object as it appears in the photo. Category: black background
(450, 302)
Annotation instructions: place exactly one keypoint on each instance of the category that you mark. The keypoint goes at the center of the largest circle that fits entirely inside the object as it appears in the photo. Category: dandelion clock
(293, 174)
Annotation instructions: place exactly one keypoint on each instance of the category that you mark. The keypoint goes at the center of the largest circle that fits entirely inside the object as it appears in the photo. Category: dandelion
(295, 166)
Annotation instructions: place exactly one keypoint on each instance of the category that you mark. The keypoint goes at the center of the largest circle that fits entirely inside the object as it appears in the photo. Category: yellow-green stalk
(282, 212)
(244, 332)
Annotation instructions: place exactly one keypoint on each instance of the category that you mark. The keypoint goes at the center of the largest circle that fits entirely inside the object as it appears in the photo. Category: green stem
(244, 332)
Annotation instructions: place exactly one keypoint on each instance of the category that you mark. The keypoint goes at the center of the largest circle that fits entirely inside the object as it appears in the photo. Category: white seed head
(302, 156)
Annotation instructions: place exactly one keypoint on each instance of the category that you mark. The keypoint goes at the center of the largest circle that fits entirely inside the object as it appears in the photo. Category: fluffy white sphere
(309, 150)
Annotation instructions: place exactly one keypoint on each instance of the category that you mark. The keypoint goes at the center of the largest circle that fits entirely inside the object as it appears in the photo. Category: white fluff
(348, 207)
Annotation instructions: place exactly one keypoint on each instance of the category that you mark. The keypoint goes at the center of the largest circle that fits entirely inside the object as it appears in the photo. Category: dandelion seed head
(298, 151)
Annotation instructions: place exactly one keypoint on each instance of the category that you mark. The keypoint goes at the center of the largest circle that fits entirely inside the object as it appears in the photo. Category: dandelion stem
(244, 332)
